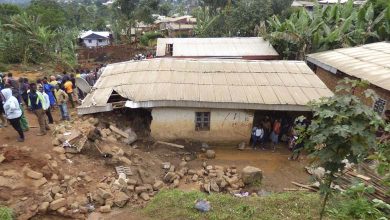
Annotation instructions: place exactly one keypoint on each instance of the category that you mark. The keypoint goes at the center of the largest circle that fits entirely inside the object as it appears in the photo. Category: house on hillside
(369, 62)
(182, 26)
(95, 38)
(211, 100)
(249, 48)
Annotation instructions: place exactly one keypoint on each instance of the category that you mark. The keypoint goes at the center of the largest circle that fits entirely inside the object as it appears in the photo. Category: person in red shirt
(275, 133)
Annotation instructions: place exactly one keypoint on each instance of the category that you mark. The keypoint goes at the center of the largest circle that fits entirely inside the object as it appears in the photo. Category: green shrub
(149, 37)
(5, 213)
(3, 67)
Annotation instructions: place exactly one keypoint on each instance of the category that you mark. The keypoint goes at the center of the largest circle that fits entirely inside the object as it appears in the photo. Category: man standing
(62, 99)
(13, 112)
(36, 101)
(68, 86)
(275, 133)
(46, 106)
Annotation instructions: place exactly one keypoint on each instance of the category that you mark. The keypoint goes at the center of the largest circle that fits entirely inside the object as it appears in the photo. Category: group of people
(276, 130)
(40, 97)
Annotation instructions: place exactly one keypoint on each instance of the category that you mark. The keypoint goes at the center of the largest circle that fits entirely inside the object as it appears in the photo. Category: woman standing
(13, 112)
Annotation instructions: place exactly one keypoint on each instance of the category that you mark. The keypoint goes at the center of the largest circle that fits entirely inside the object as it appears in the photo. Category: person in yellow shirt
(53, 81)
(68, 86)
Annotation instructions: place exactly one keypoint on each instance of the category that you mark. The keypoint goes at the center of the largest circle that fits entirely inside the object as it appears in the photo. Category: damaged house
(215, 101)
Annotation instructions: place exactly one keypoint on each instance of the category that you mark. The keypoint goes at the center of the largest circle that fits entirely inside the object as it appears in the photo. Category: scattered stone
(204, 145)
(40, 182)
(57, 196)
(194, 178)
(232, 180)
(176, 183)
(125, 160)
(24, 198)
(214, 186)
(145, 196)
(104, 194)
(61, 210)
(158, 185)
(131, 188)
(166, 165)
(74, 205)
(120, 199)
(34, 174)
(56, 204)
(187, 158)
(169, 177)
(191, 172)
(62, 157)
(183, 164)
(2, 158)
(251, 175)
(56, 142)
(43, 207)
(54, 177)
(210, 154)
(140, 189)
(48, 156)
(241, 146)
(105, 209)
(209, 167)
(132, 181)
(72, 181)
(172, 168)
(48, 198)
(59, 150)
(88, 179)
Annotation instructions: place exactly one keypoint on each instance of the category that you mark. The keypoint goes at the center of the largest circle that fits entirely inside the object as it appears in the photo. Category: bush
(148, 37)
(353, 204)
(5, 213)
(3, 67)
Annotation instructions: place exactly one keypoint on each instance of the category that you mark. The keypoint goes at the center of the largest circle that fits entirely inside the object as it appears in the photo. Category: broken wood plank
(366, 178)
(304, 186)
(170, 144)
(119, 131)
(294, 189)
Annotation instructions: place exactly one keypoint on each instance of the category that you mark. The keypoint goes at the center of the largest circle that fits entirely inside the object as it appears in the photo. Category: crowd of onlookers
(41, 97)
(273, 130)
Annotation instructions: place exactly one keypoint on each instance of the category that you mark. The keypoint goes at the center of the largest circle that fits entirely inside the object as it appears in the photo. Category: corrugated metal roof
(239, 84)
(370, 62)
(216, 47)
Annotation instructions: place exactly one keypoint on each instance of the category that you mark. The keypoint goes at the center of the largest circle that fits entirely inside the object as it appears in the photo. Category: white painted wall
(96, 43)
(226, 126)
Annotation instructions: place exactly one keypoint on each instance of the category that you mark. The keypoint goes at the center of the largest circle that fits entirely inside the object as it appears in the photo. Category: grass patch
(176, 204)
(5, 213)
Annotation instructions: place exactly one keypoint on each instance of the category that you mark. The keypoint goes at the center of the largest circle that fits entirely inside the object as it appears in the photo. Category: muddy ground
(20, 195)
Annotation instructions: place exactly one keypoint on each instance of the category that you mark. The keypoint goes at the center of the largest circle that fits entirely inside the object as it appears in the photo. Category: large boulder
(210, 154)
(251, 175)
(120, 199)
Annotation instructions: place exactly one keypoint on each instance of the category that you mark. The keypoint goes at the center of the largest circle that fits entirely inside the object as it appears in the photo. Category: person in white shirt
(46, 105)
(258, 132)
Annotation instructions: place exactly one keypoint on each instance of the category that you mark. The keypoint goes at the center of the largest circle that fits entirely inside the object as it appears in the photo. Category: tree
(8, 10)
(50, 12)
(165, 8)
(342, 128)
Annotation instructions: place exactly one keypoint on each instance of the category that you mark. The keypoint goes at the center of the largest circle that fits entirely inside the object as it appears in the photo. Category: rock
(82, 174)
(61, 210)
(132, 181)
(2, 158)
(48, 156)
(54, 177)
(88, 179)
(214, 186)
(223, 183)
(191, 172)
(72, 181)
(210, 154)
(58, 203)
(158, 185)
(251, 175)
(93, 121)
(47, 198)
(169, 177)
(105, 209)
(195, 178)
(209, 167)
(140, 189)
(53, 164)
(104, 194)
(241, 146)
(55, 142)
(57, 196)
(125, 160)
(166, 165)
(176, 183)
(319, 173)
(183, 164)
(40, 182)
(207, 187)
(59, 150)
(62, 157)
(34, 174)
(204, 145)
(131, 188)
(74, 205)
(172, 168)
(120, 199)
(43, 207)
(232, 180)
(187, 158)
(145, 196)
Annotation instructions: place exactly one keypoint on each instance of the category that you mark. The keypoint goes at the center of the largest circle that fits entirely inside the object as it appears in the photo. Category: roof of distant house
(302, 4)
(217, 47)
(207, 83)
(370, 62)
(86, 34)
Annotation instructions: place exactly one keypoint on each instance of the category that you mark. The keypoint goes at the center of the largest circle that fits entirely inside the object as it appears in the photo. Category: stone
(241, 146)
(166, 165)
(74, 205)
(88, 179)
(187, 158)
(131, 188)
(72, 181)
(214, 186)
(48, 156)
(58, 196)
(53, 164)
(59, 150)
(210, 154)
(145, 196)
(232, 180)
(105, 209)
(34, 174)
(55, 142)
(62, 157)
(172, 168)
(204, 145)
(158, 185)
(191, 172)
(131, 181)
(40, 182)
(209, 167)
(183, 164)
(43, 207)
(140, 189)
(104, 194)
(176, 183)
(195, 178)
(33, 207)
(54, 177)
(125, 160)
(61, 210)
(169, 177)
(251, 175)
(66, 177)
(58, 203)
(120, 199)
